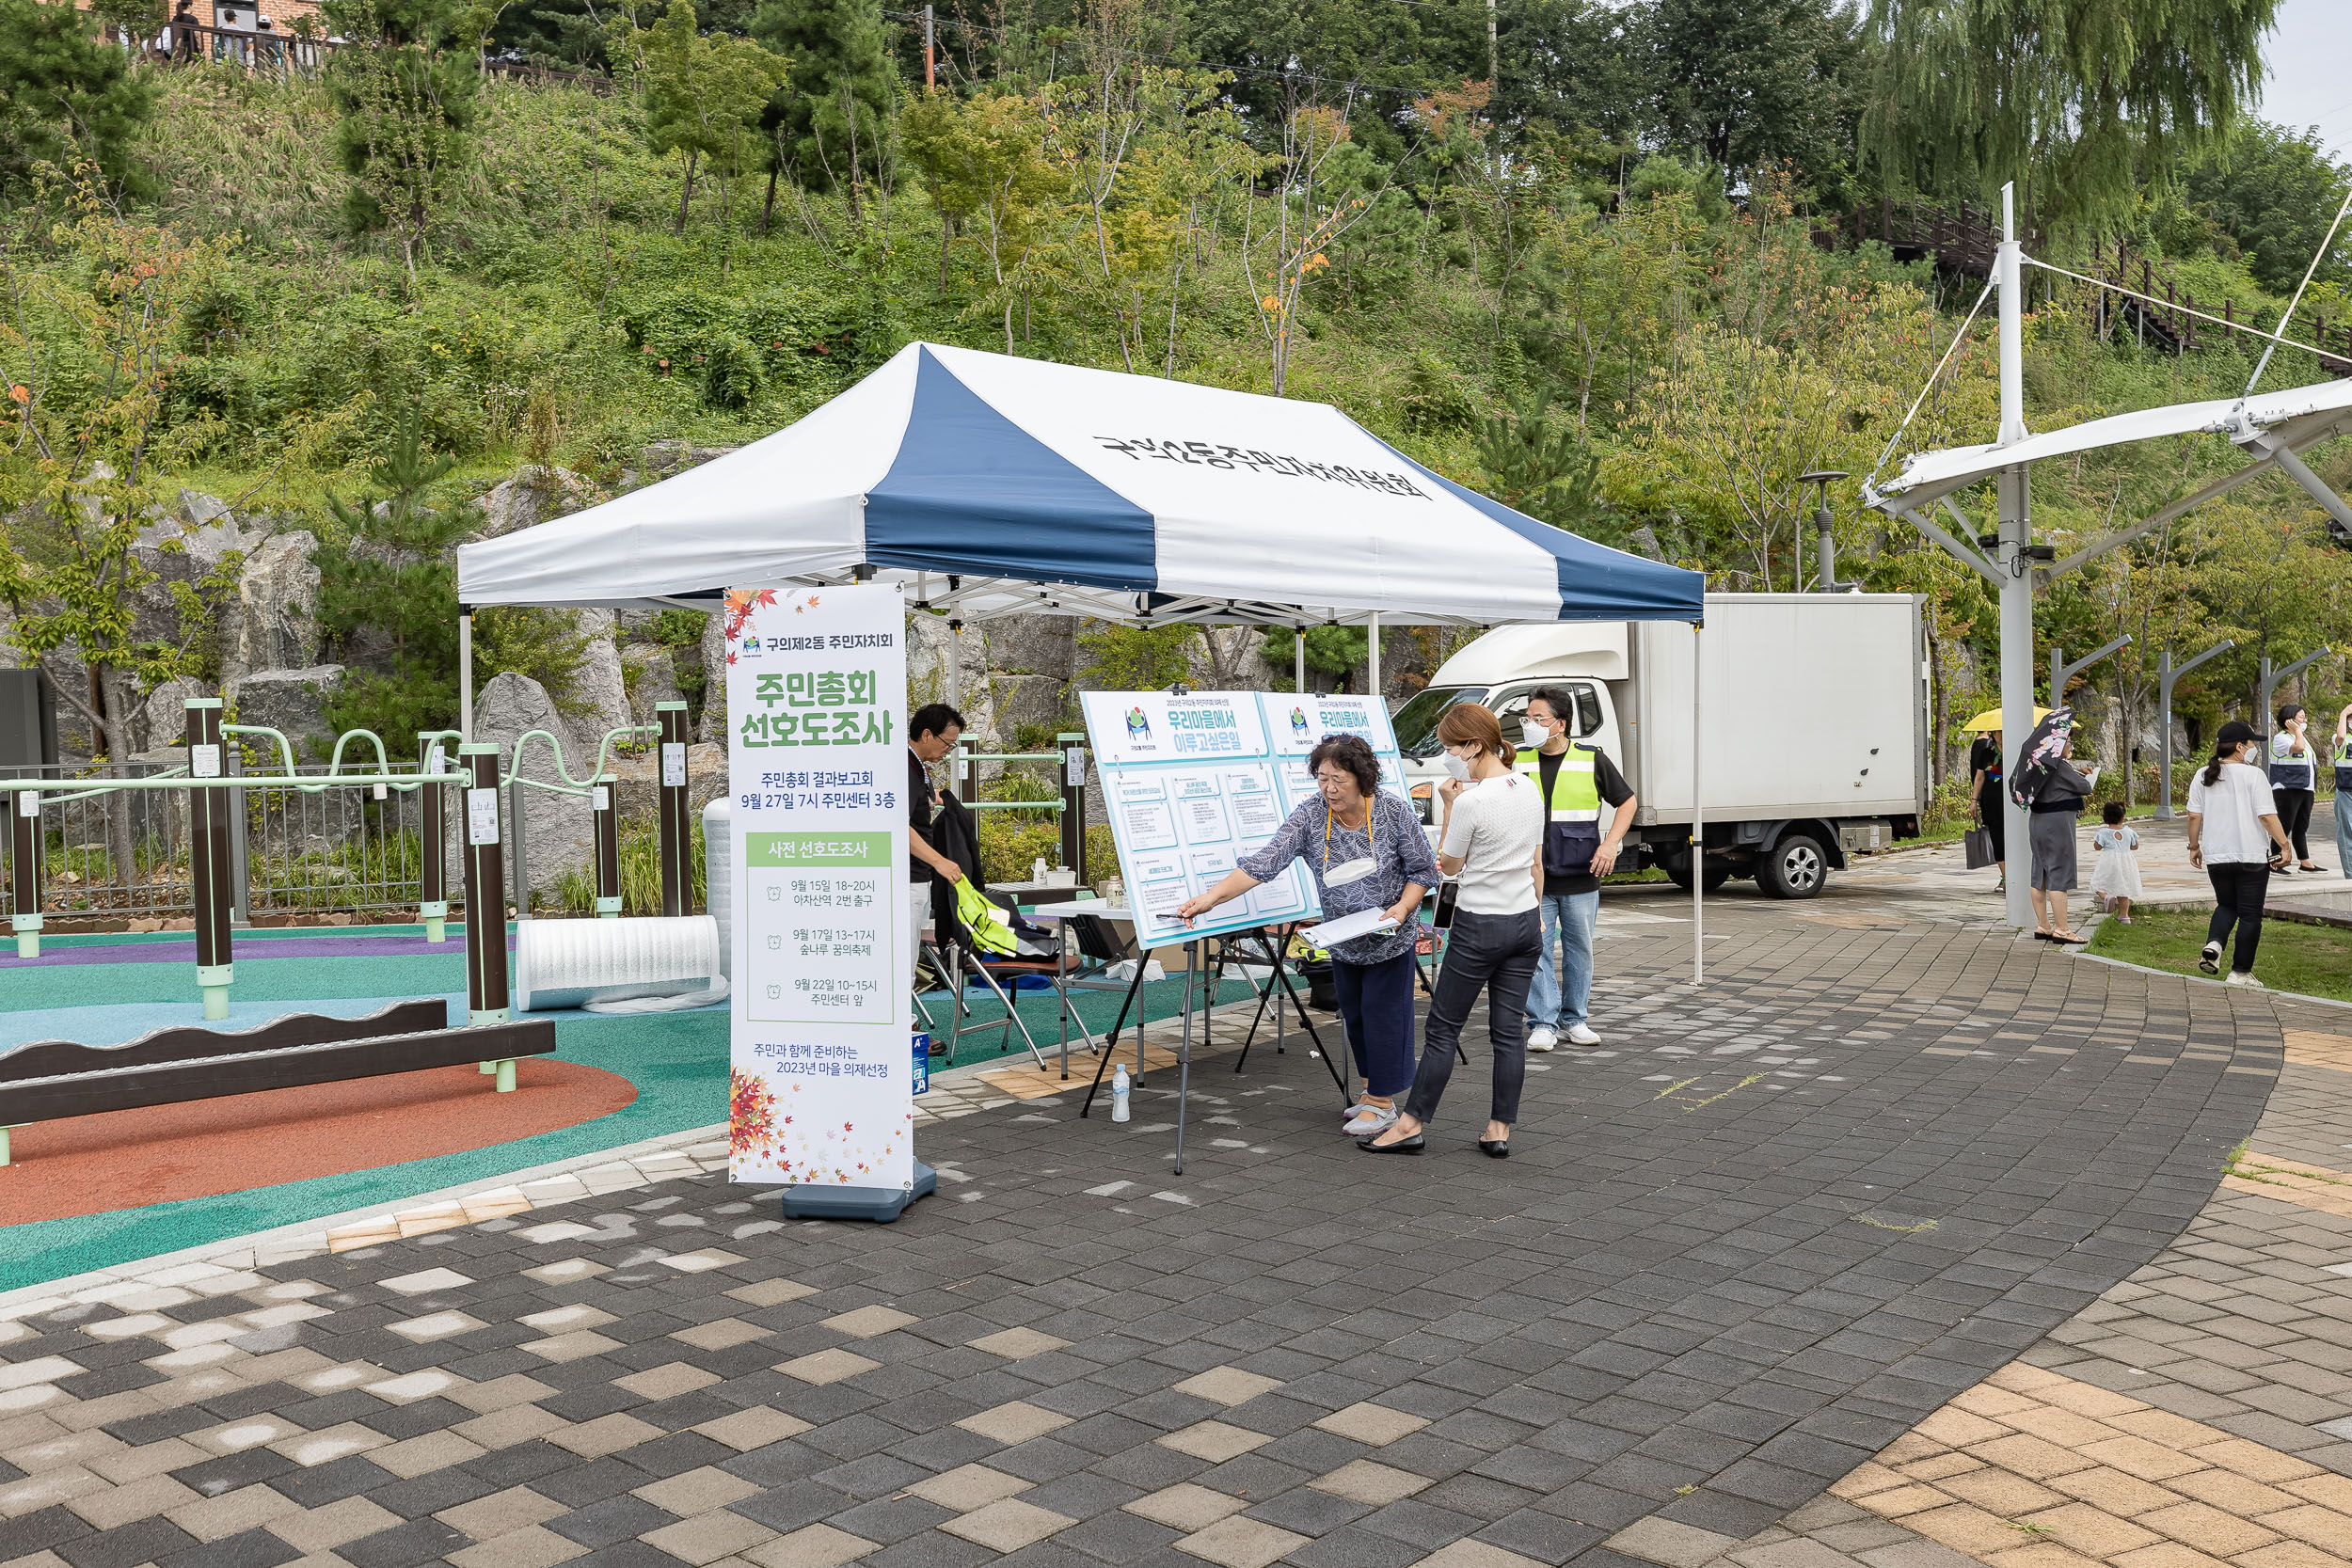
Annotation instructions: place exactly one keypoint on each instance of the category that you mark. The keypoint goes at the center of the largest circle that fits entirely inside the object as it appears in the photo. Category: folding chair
(960, 954)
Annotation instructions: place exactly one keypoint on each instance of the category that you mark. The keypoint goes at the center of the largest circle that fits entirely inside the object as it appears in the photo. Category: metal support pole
(1373, 674)
(2016, 526)
(608, 836)
(1698, 803)
(1298, 659)
(517, 809)
(677, 842)
(24, 851)
(433, 830)
(1074, 800)
(930, 48)
(487, 996)
(208, 857)
(2272, 680)
(1194, 958)
(2166, 674)
(465, 675)
(240, 826)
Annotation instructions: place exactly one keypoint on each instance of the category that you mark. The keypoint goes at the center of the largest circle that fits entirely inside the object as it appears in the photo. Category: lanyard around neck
(1371, 841)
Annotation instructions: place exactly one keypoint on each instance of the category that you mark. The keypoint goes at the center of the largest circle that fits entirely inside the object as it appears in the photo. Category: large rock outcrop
(272, 624)
(558, 835)
(292, 701)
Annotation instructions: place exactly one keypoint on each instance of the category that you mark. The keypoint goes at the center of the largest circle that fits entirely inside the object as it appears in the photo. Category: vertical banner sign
(821, 1085)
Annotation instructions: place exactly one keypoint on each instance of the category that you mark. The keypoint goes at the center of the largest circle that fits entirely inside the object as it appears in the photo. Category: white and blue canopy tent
(987, 486)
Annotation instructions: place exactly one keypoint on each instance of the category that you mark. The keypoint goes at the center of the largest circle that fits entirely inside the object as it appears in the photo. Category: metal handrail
(571, 785)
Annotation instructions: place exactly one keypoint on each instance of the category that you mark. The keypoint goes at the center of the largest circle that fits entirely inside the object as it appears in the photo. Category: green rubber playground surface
(678, 1061)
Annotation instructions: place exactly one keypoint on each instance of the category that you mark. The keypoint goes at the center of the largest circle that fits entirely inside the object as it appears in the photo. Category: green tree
(830, 121)
(1746, 83)
(408, 92)
(2083, 103)
(1138, 658)
(704, 95)
(2274, 192)
(64, 94)
(1335, 651)
(1541, 466)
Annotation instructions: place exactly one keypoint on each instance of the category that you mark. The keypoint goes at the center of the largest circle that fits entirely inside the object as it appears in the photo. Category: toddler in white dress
(2115, 875)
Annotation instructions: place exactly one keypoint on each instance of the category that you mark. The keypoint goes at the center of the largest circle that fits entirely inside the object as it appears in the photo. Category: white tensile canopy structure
(2271, 429)
(988, 485)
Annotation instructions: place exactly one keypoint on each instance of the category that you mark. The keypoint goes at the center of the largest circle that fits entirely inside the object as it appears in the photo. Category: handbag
(1979, 843)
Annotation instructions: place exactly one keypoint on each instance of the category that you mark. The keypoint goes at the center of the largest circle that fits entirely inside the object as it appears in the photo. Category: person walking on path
(1491, 840)
(1984, 792)
(1577, 780)
(2343, 807)
(2295, 780)
(2053, 790)
(2115, 875)
(1365, 849)
(2235, 837)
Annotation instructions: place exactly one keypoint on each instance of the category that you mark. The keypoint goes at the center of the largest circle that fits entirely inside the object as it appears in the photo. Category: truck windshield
(1416, 723)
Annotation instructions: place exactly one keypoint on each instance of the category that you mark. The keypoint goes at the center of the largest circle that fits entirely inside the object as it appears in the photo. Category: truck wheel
(1796, 868)
(1678, 873)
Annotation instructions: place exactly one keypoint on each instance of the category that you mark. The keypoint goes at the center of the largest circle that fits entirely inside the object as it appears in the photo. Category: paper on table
(1362, 923)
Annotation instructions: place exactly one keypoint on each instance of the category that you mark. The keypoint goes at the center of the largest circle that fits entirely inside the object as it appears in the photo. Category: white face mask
(1456, 766)
(1349, 871)
(1532, 733)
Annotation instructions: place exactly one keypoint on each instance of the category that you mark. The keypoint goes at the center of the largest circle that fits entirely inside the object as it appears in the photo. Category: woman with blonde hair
(1491, 841)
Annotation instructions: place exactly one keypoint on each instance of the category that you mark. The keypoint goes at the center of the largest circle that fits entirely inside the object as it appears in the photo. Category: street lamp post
(2168, 673)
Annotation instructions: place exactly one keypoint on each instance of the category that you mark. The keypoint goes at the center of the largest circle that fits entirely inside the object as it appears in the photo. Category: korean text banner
(819, 1091)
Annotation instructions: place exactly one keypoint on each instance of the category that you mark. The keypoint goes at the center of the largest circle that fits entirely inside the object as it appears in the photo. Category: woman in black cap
(2235, 836)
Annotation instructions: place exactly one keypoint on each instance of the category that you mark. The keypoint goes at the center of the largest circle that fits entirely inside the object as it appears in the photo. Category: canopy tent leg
(1298, 659)
(1698, 808)
(1373, 674)
(465, 676)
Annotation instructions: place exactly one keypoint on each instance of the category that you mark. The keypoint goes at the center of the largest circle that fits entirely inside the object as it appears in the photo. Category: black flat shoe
(1500, 1148)
(1413, 1145)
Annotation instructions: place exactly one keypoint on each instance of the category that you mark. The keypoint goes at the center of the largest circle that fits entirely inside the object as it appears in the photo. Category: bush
(731, 372)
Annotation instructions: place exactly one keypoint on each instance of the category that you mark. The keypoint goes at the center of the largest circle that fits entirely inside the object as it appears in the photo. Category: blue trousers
(1569, 919)
(1376, 1005)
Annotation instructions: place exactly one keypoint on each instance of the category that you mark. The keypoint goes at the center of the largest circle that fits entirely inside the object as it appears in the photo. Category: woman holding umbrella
(2053, 790)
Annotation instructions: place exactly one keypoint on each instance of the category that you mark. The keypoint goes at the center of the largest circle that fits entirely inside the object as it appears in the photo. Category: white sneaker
(2237, 977)
(2210, 959)
(1582, 1034)
(1370, 1121)
(1540, 1040)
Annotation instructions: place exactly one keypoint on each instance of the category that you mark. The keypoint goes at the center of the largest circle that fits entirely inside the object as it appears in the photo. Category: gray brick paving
(1758, 1234)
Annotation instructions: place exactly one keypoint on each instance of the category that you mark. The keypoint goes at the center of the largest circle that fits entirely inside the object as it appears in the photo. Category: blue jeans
(1569, 919)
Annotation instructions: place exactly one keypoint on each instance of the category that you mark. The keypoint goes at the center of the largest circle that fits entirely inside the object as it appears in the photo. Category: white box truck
(1815, 726)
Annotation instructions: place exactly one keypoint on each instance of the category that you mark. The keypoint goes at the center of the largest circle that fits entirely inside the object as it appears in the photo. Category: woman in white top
(2295, 780)
(1491, 842)
(2234, 835)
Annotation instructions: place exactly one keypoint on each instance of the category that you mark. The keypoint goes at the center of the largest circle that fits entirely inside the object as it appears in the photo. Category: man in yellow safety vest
(1577, 780)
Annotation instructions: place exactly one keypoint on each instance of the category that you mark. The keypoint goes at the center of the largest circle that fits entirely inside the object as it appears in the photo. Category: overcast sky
(2309, 83)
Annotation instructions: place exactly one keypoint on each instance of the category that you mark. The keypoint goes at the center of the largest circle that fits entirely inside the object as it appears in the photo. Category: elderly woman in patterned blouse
(1365, 850)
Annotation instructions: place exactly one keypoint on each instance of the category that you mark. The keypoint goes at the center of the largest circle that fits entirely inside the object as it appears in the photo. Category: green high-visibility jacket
(1574, 832)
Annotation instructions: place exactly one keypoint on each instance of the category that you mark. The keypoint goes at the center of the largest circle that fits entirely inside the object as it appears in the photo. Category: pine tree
(408, 93)
(64, 95)
(832, 119)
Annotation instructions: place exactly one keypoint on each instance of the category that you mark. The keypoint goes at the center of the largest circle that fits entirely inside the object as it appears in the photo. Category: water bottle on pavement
(1119, 1093)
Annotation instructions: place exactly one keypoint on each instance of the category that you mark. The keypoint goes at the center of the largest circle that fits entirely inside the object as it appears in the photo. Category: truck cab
(1501, 671)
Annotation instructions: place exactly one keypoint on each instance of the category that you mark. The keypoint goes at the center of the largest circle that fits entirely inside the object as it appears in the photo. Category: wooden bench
(46, 1080)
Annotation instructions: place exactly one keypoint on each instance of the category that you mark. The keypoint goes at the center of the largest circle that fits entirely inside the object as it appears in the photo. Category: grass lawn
(2315, 960)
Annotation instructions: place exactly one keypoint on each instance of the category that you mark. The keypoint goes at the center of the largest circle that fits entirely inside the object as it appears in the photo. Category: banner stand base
(881, 1204)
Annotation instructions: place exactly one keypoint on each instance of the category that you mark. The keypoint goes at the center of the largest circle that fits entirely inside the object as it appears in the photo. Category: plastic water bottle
(1119, 1093)
(1036, 871)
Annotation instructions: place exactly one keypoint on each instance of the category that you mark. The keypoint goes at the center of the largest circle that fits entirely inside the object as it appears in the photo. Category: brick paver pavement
(1738, 1254)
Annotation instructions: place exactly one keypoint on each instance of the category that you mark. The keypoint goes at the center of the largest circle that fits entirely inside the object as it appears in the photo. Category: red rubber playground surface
(126, 1159)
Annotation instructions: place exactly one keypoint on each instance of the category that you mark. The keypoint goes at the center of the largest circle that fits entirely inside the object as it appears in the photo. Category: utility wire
(2275, 338)
(2317, 256)
(1957, 338)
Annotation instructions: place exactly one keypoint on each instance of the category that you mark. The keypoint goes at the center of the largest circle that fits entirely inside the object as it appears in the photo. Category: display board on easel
(1193, 782)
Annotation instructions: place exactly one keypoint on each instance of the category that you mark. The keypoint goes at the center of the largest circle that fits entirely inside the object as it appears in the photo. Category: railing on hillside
(283, 54)
(1965, 241)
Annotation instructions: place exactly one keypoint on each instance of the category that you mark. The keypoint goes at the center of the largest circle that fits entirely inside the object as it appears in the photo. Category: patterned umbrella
(2041, 756)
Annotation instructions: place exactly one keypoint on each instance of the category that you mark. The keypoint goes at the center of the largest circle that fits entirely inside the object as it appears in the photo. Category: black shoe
(1499, 1148)
(1413, 1145)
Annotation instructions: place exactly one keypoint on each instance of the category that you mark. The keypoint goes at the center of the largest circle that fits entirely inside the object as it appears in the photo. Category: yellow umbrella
(1991, 720)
